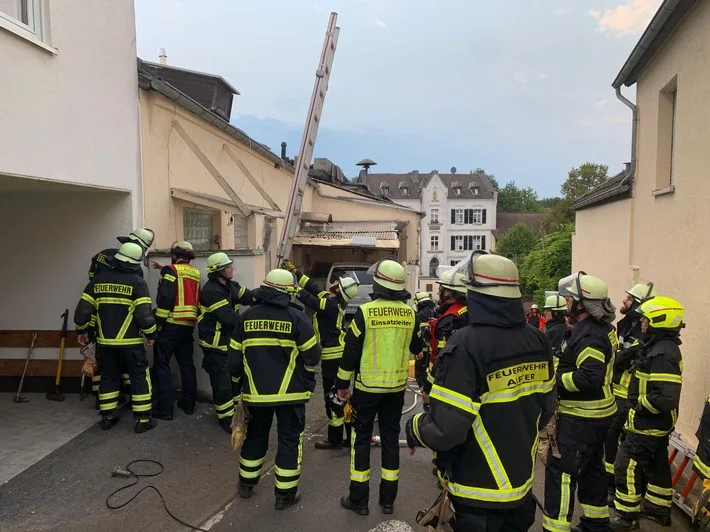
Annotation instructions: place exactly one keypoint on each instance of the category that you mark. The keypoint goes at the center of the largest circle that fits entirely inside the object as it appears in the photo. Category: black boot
(245, 490)
(282, 503)
(165, 416)
(663, 520)
(144, 425)
(346, 503)
(621, 524)
(226, 424)
(387, 508)
(325, 444)
(108, 422)
(188, 409)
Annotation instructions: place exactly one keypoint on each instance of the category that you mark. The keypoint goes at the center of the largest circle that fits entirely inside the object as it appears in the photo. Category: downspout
(630, 176)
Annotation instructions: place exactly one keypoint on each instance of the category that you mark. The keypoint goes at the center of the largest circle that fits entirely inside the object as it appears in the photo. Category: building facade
(70, 169)
(459, 213)
(650, 223)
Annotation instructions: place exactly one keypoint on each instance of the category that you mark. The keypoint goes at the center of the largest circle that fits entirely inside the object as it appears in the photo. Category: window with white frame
(435, 196)
(198, 228)
(25, 17)
(477, 216)
(457, 243)
(454, 262)
(458, 218)
(241, 235)
(468, 242)
(435, 216)
(434, 243)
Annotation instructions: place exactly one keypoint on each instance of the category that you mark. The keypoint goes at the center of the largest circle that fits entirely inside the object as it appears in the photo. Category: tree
(512, 198)
(516, 243)
(490, 177)
(561, 215)
(583, 179)
(548, 262)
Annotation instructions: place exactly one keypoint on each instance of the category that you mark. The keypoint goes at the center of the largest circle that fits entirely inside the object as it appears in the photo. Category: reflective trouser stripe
(355, 475)
(609, 468)
(125, 379)
(108, 401)
(626, 498)
(701, 467)
(390, 475)
(95, 380)
(286, 479)
(595, 512)
(561, 522)
(250, 468)
(336, 421)
(225, 410)
(659, 496)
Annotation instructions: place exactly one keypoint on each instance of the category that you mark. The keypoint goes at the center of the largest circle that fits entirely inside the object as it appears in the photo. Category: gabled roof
(158, 67)
(667, 18)
(414, 181)
(506, 220)
(612, 190)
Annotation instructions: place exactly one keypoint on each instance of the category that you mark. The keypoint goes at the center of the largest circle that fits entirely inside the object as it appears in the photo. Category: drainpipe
(631, 172)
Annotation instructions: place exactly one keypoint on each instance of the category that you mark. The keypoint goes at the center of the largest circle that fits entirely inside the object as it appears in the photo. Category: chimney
(627, 168)
(415, 176)
(283, 150)
(363, 176)
(163, 57)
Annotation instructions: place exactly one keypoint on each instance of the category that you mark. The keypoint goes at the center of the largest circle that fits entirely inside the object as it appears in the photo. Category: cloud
(542, 76)
(563, 10)
(382, 24)
(629, 18)
(614, 119)
(602, 103)
(520, 77)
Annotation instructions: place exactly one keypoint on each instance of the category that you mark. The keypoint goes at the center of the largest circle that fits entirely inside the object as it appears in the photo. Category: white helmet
(581, 286)
(534, 306)
(348, 288)
(488, 274)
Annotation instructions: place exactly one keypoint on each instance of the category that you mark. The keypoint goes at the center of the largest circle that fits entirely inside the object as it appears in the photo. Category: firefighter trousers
(472, 519)
(223, 390)
(613, 440)
(336, 420)
(642, 468)
(96, 379)
(580, 469)
(175, 340)
(113, 362)
(701, 464)
(290, 424)
(388, 409)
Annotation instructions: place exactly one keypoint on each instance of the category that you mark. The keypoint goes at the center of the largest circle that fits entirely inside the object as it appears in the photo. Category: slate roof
(612, 190)
(417, 181)
(506, 220)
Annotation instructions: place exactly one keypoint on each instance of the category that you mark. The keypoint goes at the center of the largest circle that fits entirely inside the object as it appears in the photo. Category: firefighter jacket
(555, 330)
(102, 262)
(654, 390)
(452, 316)
(178, 295)
(382, 335)
(585, 369)
(537, 320)
(118, 303)
(218, 312)
(493, 392)
(426, 311)
(629, 328)
(273, 352)
(327, 320)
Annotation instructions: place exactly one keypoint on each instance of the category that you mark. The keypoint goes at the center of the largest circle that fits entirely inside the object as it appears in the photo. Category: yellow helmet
(555, 303)
(182, 249)
(493, 275)
(142, 236)
(281, 280)
(218, 262)
(388, 274)
(348, 288)
(130, 253)
(581, 286)
(662, 312)
(452, 280)
(420, 297)
(642, 291)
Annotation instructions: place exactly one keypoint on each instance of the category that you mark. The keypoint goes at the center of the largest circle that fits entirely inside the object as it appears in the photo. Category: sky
(520, 88)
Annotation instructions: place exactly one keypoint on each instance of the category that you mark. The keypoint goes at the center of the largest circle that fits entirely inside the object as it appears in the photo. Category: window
(434, 196)
(476, 191)
(457, 191)
(468, 242)
(23, 17)
(666, 143)
(405, 191)
(434, 216)
(434, 243)
(477, 216)
(241, 235)
(457, 216)
(198, 228)
(454, 262)
(429, 287)
(673, 137)
(385, 189)
(433, 265)
(468, 216)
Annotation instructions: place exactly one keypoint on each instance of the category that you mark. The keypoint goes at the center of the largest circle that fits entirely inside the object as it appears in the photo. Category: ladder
(686, 489)
(308, 141)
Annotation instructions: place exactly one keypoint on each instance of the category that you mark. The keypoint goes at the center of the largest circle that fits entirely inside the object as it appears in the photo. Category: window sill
(436, 251)
(663, 191)
(7, 24)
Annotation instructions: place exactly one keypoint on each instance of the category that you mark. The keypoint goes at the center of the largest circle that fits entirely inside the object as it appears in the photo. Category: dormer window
(456, 187)
(404, 188)
(385, 189)
(475, 190)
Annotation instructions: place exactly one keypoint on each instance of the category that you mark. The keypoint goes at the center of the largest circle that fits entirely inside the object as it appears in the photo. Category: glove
(288, 265)
(412, 441)
(702, 507)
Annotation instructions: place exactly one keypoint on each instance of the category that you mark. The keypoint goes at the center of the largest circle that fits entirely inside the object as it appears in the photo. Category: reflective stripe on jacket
(218, 312)
(178, 295)
(327, 318)
(452, 319)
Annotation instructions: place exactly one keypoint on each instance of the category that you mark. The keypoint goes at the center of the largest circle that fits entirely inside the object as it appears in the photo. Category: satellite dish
(453, 169)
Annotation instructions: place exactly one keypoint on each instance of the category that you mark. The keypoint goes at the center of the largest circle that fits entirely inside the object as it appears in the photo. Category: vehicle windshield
(359, 274)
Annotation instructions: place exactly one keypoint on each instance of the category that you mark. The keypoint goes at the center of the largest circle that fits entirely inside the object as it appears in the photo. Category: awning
(220, 204)
(380, 235)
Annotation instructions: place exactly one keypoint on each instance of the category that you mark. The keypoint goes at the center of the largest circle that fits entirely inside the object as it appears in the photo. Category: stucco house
(650, 222)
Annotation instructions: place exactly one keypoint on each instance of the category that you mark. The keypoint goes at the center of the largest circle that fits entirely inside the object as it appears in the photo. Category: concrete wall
(49, 238)
(73, 116)
(668, 233)
(600, 246)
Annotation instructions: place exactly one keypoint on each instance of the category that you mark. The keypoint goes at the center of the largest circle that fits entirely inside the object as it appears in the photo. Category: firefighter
(586, 408)
(176, 315)
(219, 299)
(629, 330)
(701, 465)
(495, 390)
(100, 263)
(536, 319)
(426, 311)
(273, 355)
(556, 324)
(654, 396)
(328, 325)
(381, 337)
(451, 312)
(119, 302)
